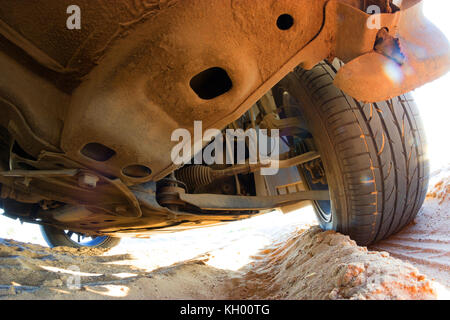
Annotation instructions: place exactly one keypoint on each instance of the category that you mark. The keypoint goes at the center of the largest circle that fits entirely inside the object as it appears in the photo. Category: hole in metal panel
(97, 152)
(137, 171)
(285, 22)
(211, 83)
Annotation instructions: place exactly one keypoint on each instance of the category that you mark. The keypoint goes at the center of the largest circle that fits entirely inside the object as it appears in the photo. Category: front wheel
(63, 238)
(373, 156)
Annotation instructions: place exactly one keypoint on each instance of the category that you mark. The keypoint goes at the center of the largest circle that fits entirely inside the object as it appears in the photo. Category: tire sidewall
(56, 238)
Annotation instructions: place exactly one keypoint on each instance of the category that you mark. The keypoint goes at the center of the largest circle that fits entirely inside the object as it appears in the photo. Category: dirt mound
(441, 190)
(328, 265)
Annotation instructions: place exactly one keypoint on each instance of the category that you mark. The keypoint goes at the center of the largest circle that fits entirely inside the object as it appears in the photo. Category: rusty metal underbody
(105, 99)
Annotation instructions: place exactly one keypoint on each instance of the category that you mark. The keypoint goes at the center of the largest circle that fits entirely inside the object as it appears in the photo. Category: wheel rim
(323, 207)
(83, 240)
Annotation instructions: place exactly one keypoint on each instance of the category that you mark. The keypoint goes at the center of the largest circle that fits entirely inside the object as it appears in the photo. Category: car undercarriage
(87, 116)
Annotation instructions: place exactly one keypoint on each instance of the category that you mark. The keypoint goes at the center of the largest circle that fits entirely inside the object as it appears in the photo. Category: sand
(426, 242)
(328, 265)
(310, 265)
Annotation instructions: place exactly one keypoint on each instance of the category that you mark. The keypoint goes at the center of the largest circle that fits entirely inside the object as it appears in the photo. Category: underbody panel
(104, 100)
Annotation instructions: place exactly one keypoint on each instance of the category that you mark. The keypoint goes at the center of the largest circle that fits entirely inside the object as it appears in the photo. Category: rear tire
(58, 238)
(373, 154)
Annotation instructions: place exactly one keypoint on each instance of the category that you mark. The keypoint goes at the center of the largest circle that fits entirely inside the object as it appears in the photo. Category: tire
(58, 238)
(373, 155)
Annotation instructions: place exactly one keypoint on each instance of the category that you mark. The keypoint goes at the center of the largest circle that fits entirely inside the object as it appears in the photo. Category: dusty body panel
(145, 76)
(146, 53)
(423, 50)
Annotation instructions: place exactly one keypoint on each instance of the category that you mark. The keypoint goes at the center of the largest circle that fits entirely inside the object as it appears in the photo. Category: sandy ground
(274, 256)
(426, 242)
